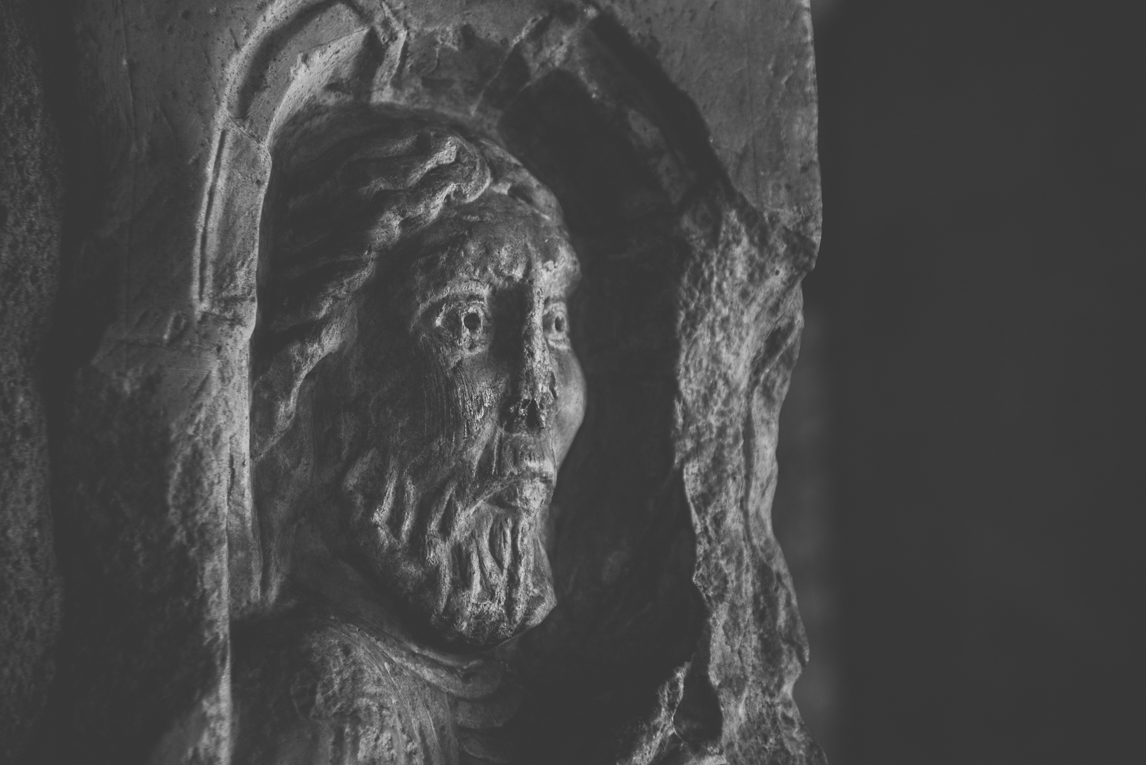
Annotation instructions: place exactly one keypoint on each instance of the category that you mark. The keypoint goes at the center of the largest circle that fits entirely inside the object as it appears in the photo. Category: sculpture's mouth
(525, 492)
(523, 476)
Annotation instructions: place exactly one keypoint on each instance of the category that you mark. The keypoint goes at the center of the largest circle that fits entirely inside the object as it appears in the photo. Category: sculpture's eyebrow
(433, 297)
(463, 288)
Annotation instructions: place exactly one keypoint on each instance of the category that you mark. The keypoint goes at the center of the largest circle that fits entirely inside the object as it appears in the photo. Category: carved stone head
(415, 388)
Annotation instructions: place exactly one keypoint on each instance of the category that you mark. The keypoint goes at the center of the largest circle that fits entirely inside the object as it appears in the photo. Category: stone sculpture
(415, 392)
(316, 361)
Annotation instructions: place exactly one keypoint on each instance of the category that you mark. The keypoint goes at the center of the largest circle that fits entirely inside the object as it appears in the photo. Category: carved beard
(473, 573)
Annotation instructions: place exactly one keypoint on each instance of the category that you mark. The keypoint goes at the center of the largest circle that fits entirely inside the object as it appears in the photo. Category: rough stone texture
(30, 223)
(675, 638)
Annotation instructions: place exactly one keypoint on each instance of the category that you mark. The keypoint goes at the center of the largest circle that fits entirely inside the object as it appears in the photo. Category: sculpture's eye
(556, 324)
(466, 325)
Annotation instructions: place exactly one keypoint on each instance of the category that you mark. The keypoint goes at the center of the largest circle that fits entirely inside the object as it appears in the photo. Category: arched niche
(686, 325)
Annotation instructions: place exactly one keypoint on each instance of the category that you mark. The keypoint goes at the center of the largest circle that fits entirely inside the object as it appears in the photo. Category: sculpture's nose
(533, 384)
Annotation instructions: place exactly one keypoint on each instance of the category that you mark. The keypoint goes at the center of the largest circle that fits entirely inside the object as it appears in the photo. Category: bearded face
(441, 430)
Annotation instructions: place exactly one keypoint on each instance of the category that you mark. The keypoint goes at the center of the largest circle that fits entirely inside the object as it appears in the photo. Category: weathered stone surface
(30, 224)
(683, 159)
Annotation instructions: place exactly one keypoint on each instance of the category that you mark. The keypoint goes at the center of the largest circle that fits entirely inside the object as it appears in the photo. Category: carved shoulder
(312, 691)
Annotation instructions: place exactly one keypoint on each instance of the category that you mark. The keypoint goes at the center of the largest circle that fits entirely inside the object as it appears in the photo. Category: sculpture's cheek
(571, 398)
(478, 400)
(463, 399)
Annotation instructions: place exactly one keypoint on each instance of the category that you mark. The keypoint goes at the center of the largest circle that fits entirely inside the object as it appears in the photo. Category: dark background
(961, 464)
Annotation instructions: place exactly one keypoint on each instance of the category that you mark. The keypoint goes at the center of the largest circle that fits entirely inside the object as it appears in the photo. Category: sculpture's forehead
(496, 241)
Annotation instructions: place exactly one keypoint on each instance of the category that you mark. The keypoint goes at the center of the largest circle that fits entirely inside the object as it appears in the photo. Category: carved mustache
(521, 473)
